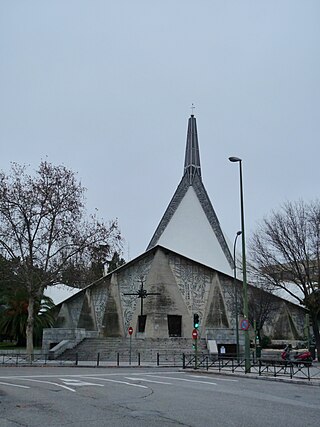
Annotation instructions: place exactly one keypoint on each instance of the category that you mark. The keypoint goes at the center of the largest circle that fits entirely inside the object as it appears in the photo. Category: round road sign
(244, 324)
(130, 330)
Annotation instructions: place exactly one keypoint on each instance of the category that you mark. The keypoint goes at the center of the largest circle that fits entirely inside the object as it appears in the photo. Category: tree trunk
(29, 329)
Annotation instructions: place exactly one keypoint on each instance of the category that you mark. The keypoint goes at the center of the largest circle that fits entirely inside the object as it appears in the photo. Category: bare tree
(43, 224)
(286, 251)
(262, 305)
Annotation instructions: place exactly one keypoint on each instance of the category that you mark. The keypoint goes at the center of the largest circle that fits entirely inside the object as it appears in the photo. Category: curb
(301, 381)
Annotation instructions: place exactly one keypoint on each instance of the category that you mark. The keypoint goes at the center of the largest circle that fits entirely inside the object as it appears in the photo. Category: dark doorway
(174, 326)
(142, 323)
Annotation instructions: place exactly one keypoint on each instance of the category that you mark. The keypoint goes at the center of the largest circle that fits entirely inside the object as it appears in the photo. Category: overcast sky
(105, 88)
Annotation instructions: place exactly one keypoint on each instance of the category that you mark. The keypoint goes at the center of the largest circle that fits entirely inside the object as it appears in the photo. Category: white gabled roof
(189, 233)
(59, 293)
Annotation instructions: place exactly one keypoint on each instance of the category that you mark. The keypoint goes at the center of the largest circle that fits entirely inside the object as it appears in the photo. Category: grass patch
(12, 346)
(9, 346)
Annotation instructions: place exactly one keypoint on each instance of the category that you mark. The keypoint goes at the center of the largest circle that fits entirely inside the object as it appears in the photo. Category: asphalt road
(150, 398)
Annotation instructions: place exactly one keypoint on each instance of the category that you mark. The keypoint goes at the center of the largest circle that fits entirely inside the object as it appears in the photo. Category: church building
(186, 269)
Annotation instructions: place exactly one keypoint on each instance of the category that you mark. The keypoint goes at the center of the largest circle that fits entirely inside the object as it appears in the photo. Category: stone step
(108, 348)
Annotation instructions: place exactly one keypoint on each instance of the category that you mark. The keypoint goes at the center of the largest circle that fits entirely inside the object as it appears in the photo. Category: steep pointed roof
(192, 158)
(190, 225)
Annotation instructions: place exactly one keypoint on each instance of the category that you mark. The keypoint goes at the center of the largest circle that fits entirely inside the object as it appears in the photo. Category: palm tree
(14, 314)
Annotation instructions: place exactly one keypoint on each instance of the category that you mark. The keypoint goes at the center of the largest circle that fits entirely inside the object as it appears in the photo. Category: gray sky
(105, 88)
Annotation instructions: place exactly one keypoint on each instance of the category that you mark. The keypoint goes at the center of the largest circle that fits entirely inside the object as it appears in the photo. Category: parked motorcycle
(295, 356)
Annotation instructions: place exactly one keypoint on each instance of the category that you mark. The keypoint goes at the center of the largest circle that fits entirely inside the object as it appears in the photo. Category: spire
(192, 158)
(190, 226)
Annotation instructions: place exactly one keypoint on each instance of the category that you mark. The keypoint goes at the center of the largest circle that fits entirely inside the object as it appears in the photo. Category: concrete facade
(185, 287)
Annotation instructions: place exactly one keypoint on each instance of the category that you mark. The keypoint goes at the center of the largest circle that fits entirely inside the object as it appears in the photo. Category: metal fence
(22, 359)
(260, 367)
(164, 358)
(199, 361)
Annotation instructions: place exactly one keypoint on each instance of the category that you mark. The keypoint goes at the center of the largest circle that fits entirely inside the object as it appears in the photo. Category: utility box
(258, 351)
(313, 351)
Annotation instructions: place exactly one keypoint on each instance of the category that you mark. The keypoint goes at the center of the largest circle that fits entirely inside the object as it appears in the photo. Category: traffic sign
(244, 324)
(130, 330)
(194, 334)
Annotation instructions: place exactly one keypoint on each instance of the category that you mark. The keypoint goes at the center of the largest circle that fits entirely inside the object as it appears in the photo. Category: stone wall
(183, 287)
(53, 336)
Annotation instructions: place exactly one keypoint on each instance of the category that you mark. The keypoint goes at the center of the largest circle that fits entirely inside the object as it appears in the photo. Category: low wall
(53, 336)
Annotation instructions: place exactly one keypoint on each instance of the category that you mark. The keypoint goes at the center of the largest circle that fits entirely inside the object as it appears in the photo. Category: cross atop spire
(192, 158)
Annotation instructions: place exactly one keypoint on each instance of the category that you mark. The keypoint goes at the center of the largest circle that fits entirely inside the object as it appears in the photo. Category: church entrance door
(174, 325)
(142, 323)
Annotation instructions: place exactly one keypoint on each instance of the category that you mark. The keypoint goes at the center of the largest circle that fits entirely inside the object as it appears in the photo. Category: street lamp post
(244, 270)
(236, 290)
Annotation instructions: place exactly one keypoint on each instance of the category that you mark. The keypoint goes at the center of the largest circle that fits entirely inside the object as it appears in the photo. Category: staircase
(110, 349)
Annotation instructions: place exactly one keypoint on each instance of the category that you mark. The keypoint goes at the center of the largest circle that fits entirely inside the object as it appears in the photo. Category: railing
(161, 358)
(260, 367)
(22, 359)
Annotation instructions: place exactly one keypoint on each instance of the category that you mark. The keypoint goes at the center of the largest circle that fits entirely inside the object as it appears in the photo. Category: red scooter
(304, 357)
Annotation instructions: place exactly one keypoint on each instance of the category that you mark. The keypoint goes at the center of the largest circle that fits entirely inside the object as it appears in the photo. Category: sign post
(130, 331)
(195, 337)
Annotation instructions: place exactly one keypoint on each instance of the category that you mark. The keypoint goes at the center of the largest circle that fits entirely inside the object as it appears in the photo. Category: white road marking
(147, 381)
(119, 382)
(215, 378)
(78, 383)
(182, 379)
(54, 376)
(164, 373)
(15, 385)
(81, 375)
(49, 382)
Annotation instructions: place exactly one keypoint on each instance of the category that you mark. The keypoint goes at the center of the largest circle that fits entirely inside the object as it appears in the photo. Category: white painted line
(83, 375)
(160, 373)
(66, 375)
(49, 382)
(15, 385)
(55, 376)
(215, 378)
(183, 379)
(78, 383)
(147, 381)
(119, 382)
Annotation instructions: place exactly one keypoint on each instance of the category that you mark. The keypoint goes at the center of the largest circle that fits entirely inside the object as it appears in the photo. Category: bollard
(158, 359)
(183, 361)
(138, 359)
(118, 359)
(98, 359)
(76, 359)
